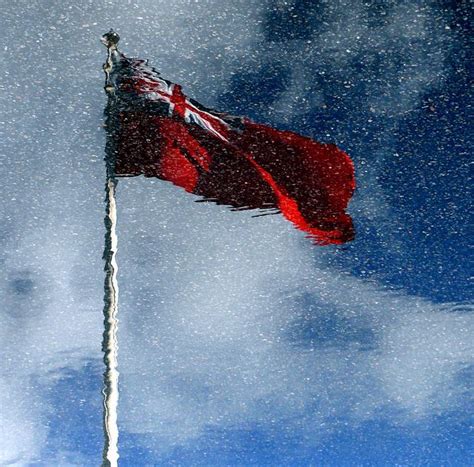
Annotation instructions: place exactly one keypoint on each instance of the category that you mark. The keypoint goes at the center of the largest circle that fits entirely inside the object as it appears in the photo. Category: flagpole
(110, 390)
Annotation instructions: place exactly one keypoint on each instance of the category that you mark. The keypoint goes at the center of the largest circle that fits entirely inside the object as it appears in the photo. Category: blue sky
(240, 342)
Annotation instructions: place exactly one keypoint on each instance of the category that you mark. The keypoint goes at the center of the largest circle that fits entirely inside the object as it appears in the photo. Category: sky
(240, 342)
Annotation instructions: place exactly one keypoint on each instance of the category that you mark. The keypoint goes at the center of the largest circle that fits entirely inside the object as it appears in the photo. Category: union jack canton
(138, 82)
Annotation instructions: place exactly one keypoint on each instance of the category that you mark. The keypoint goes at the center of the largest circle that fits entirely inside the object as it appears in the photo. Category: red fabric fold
(256, 167)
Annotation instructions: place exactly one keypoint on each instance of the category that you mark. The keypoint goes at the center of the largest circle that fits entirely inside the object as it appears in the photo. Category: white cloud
(52, 192)
(205, 332)
(207, 296)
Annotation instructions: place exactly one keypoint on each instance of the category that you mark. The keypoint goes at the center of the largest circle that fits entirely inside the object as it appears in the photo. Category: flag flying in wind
(160, 132)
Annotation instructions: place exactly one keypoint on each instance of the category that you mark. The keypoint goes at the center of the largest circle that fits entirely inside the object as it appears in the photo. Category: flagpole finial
(110, 39)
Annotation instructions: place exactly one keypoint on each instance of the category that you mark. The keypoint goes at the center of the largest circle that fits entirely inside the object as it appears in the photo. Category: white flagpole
(109, 343)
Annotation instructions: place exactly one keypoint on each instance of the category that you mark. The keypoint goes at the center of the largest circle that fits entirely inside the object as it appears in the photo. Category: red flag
(229, 160)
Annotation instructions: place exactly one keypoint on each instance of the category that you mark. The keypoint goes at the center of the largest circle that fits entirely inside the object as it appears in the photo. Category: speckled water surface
(240, 341)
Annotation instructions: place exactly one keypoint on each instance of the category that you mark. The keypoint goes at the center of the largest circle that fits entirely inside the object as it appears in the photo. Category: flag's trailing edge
(160, 132)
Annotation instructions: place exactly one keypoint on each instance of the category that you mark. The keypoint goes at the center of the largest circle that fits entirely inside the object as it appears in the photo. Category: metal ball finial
(110, 39)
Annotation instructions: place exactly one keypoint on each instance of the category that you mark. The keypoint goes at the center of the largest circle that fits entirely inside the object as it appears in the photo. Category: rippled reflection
(239, 346)
(240, 342)
(159, 132)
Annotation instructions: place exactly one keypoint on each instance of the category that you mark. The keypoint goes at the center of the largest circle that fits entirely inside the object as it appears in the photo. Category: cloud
(52, 193)
(226, 320)
(226, 333)
(48, 324)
